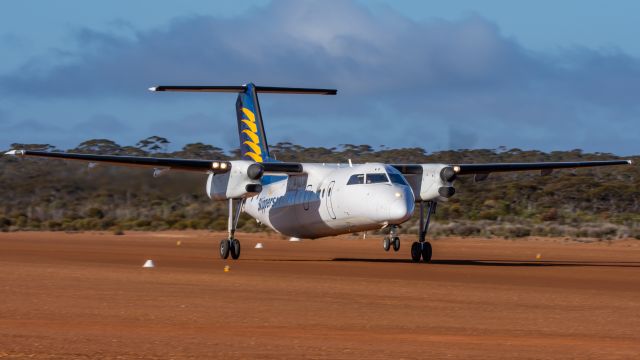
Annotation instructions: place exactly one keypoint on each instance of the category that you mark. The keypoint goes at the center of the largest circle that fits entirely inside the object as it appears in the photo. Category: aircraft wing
(483, 170)
(214, 166)
(465, 169)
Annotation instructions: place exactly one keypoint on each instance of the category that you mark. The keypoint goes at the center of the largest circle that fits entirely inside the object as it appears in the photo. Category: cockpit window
(376, 178)
(356, 179)
(397, 179)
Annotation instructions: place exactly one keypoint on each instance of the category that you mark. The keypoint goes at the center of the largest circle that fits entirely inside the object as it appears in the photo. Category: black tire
(224, 248)
(386, 243)
(235, 249)
(396, 243)
(427, 251)
(416, 252)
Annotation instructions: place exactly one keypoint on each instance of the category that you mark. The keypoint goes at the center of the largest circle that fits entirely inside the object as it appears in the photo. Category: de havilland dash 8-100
(315, 200)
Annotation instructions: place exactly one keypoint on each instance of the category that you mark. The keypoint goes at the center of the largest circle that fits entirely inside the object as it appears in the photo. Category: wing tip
(14, 152)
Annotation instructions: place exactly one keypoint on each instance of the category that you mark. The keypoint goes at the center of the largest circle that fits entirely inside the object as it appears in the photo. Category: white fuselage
(332, 199)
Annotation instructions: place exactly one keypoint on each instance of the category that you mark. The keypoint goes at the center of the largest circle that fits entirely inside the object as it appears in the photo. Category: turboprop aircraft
(314, 200)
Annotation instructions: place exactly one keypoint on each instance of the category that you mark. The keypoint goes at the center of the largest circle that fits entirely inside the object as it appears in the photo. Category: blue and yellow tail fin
(253, 140)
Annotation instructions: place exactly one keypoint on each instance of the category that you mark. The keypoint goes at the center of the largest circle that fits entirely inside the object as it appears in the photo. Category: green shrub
(467, 230)
(518, 231)
(95, 213)
(142, 223)
(53, 225)
(5, 222)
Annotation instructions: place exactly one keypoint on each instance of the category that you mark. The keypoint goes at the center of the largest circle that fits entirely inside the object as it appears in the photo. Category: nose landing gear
(231, 245)
(396, 243)
(391, 240)
(386, 243)
(422, 248)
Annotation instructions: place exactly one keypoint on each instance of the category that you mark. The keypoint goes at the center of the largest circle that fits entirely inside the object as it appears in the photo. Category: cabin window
(376, 178)
(356, 179)
(397, 179)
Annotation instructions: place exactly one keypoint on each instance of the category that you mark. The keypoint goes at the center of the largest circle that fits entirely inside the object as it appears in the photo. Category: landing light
(215, 165)
(398, 194)
(456, 168)
(223, 166)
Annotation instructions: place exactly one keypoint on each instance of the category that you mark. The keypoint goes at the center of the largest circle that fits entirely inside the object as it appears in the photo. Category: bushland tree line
(56, 195)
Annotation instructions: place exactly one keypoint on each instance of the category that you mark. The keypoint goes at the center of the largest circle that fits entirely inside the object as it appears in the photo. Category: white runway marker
(149, 264)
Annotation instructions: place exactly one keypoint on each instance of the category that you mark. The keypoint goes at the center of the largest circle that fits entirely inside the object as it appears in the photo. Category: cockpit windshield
(397, 179)
(356, 179)
(395, 176)
(372, 178)
(377, 178)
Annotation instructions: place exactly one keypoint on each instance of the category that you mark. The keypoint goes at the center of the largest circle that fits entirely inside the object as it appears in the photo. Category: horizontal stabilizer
(287, 90)
(243, 88)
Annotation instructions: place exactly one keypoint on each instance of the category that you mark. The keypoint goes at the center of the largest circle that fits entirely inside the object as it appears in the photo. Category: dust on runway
(86, 296)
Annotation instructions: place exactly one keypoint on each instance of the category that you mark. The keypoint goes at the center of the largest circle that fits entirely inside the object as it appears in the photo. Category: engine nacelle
(434, 184)
(243, 180)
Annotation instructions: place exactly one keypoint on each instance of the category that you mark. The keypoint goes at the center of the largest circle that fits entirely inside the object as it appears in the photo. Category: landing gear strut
(422, 248)
(391, 240)
(231, 245)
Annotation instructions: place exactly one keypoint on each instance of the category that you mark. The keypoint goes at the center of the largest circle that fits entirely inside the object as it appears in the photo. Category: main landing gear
(391, 240)
(422, 248)
(231, 245)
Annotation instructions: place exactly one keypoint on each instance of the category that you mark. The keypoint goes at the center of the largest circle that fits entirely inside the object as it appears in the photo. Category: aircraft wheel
(396, 243)
(224, 248)
(235, 249)
(416, 252)
(386, 243)
(427, 251)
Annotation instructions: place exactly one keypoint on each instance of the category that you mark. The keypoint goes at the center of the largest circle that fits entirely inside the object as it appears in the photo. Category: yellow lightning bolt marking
(249, 114)
(250, 122)
(254, 147)
(255, 157)
(252, 126)
(252, 136)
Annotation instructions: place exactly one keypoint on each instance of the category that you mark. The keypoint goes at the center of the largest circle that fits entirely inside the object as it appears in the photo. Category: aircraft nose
(400, 210)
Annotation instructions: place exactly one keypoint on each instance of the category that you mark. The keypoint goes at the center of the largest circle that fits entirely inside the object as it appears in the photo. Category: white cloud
(439, 77)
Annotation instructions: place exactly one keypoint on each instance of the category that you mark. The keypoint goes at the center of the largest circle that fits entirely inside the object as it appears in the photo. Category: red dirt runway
(86, 296)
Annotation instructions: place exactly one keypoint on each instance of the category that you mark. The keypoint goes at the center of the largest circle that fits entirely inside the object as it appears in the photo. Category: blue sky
(435, 74)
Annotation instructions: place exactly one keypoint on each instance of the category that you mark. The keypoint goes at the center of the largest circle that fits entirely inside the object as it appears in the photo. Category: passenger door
(330, 200)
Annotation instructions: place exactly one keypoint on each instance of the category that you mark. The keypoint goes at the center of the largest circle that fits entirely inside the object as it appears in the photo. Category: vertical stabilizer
(253, 140)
